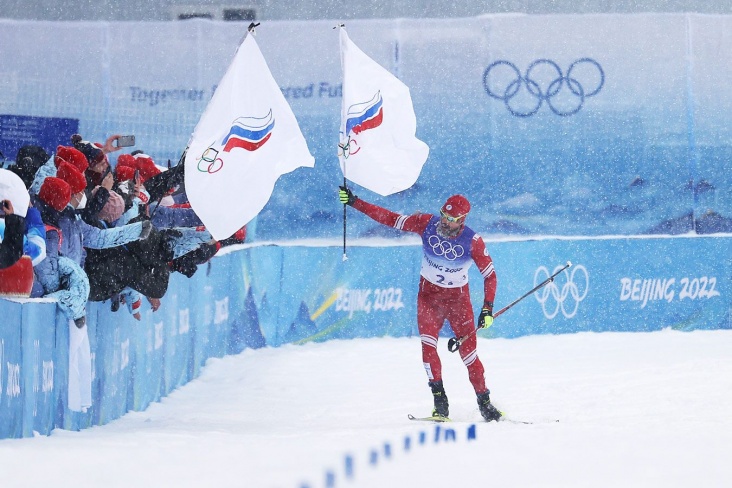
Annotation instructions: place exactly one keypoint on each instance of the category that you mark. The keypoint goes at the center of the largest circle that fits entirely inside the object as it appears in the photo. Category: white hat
(12, 188)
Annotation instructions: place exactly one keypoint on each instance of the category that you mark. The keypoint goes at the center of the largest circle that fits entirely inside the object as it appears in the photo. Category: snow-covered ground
(634, 409)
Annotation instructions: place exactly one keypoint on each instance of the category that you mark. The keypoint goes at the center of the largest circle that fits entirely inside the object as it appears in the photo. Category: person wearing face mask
(449, 248)
(61, 199)
(78, 234)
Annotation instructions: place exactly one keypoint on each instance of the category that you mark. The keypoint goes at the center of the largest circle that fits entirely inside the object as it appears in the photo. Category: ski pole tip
(569, 264)
(345, 258)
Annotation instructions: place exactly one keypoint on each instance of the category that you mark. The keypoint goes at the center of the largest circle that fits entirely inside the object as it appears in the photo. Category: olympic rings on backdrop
(445, 248)
(540, 89)
(553, 298)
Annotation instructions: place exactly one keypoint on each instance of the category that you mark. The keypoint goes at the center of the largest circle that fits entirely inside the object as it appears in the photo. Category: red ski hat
(456, 206)
(126, 166)
(72, 176)
(55, 192)
(17, 280)
(124, 173)
(72, 156)
(146, 166)
(126, 160)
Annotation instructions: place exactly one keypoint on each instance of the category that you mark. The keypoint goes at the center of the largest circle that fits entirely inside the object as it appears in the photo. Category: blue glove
(346, 196)
(485, 319)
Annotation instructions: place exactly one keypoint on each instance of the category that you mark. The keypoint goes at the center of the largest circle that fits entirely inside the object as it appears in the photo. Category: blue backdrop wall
(266, 295)
(550, 124)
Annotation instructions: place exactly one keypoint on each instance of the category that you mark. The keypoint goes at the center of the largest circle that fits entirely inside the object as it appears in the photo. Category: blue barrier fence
(271, 295)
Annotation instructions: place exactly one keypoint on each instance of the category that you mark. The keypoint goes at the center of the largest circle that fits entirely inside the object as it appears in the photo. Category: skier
(449, 249)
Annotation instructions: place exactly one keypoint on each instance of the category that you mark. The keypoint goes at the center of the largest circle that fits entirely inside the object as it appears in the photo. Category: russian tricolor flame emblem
(249, 133)
(366, 115)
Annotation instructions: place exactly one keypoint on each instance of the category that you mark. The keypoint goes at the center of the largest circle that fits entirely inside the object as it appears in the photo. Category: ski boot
(438, 392)
(487, 410)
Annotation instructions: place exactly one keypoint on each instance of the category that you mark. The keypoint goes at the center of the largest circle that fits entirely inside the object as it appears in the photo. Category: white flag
(378, 148)
(246, 139)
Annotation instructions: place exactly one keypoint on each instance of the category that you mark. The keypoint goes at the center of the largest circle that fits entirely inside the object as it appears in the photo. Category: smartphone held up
(125, 141)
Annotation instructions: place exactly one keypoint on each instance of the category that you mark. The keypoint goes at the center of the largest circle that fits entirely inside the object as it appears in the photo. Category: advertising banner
(266, 295)
(38, 344)
(17, 131)
(557, 125)
(11, 359)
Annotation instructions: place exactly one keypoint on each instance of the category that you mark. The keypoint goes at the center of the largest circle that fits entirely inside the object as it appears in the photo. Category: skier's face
(450, 226)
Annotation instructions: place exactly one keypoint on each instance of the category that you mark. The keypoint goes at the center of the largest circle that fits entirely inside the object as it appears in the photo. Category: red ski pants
(436, 304)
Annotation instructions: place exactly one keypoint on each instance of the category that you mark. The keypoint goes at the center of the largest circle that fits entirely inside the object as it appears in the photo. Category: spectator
(11, 246)
(62, 279)
(16, 270)
(153, 189)
(78, 235)
(21, 237)
(70, 288)
(29, 159)
(63, 155)
(12, 189)
(96, 155)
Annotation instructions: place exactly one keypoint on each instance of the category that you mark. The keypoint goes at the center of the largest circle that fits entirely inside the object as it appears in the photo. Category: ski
(526, 422)
(434, 418)
(512, 421)
(438, 419)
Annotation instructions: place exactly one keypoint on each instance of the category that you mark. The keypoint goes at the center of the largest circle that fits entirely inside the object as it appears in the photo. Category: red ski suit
(443, 290)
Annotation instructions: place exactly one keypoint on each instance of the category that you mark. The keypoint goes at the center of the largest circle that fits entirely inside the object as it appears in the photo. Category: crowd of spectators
(76, 228)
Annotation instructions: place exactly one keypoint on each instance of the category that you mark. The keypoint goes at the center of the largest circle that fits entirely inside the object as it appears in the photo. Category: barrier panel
(267, 295)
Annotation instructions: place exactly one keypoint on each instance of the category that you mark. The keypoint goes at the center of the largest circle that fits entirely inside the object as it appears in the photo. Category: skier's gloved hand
(346, 196)
(485, 319)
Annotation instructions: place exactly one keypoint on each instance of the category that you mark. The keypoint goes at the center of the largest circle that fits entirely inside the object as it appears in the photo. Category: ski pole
(455, 343)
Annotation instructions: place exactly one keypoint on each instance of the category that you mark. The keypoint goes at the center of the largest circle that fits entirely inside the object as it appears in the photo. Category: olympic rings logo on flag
(566, 298)
(445, 248)
(542, 82)
(209, 162)
(348, 148)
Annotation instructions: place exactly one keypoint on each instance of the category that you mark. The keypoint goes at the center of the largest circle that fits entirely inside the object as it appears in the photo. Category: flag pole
(345, 156)
(344, 224)
(182, 160)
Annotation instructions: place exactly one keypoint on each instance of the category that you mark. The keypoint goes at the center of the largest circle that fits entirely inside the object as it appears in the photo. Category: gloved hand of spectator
(146, 229)
(346, 196)
(485, 319)
(184, 266)
(172, 233)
